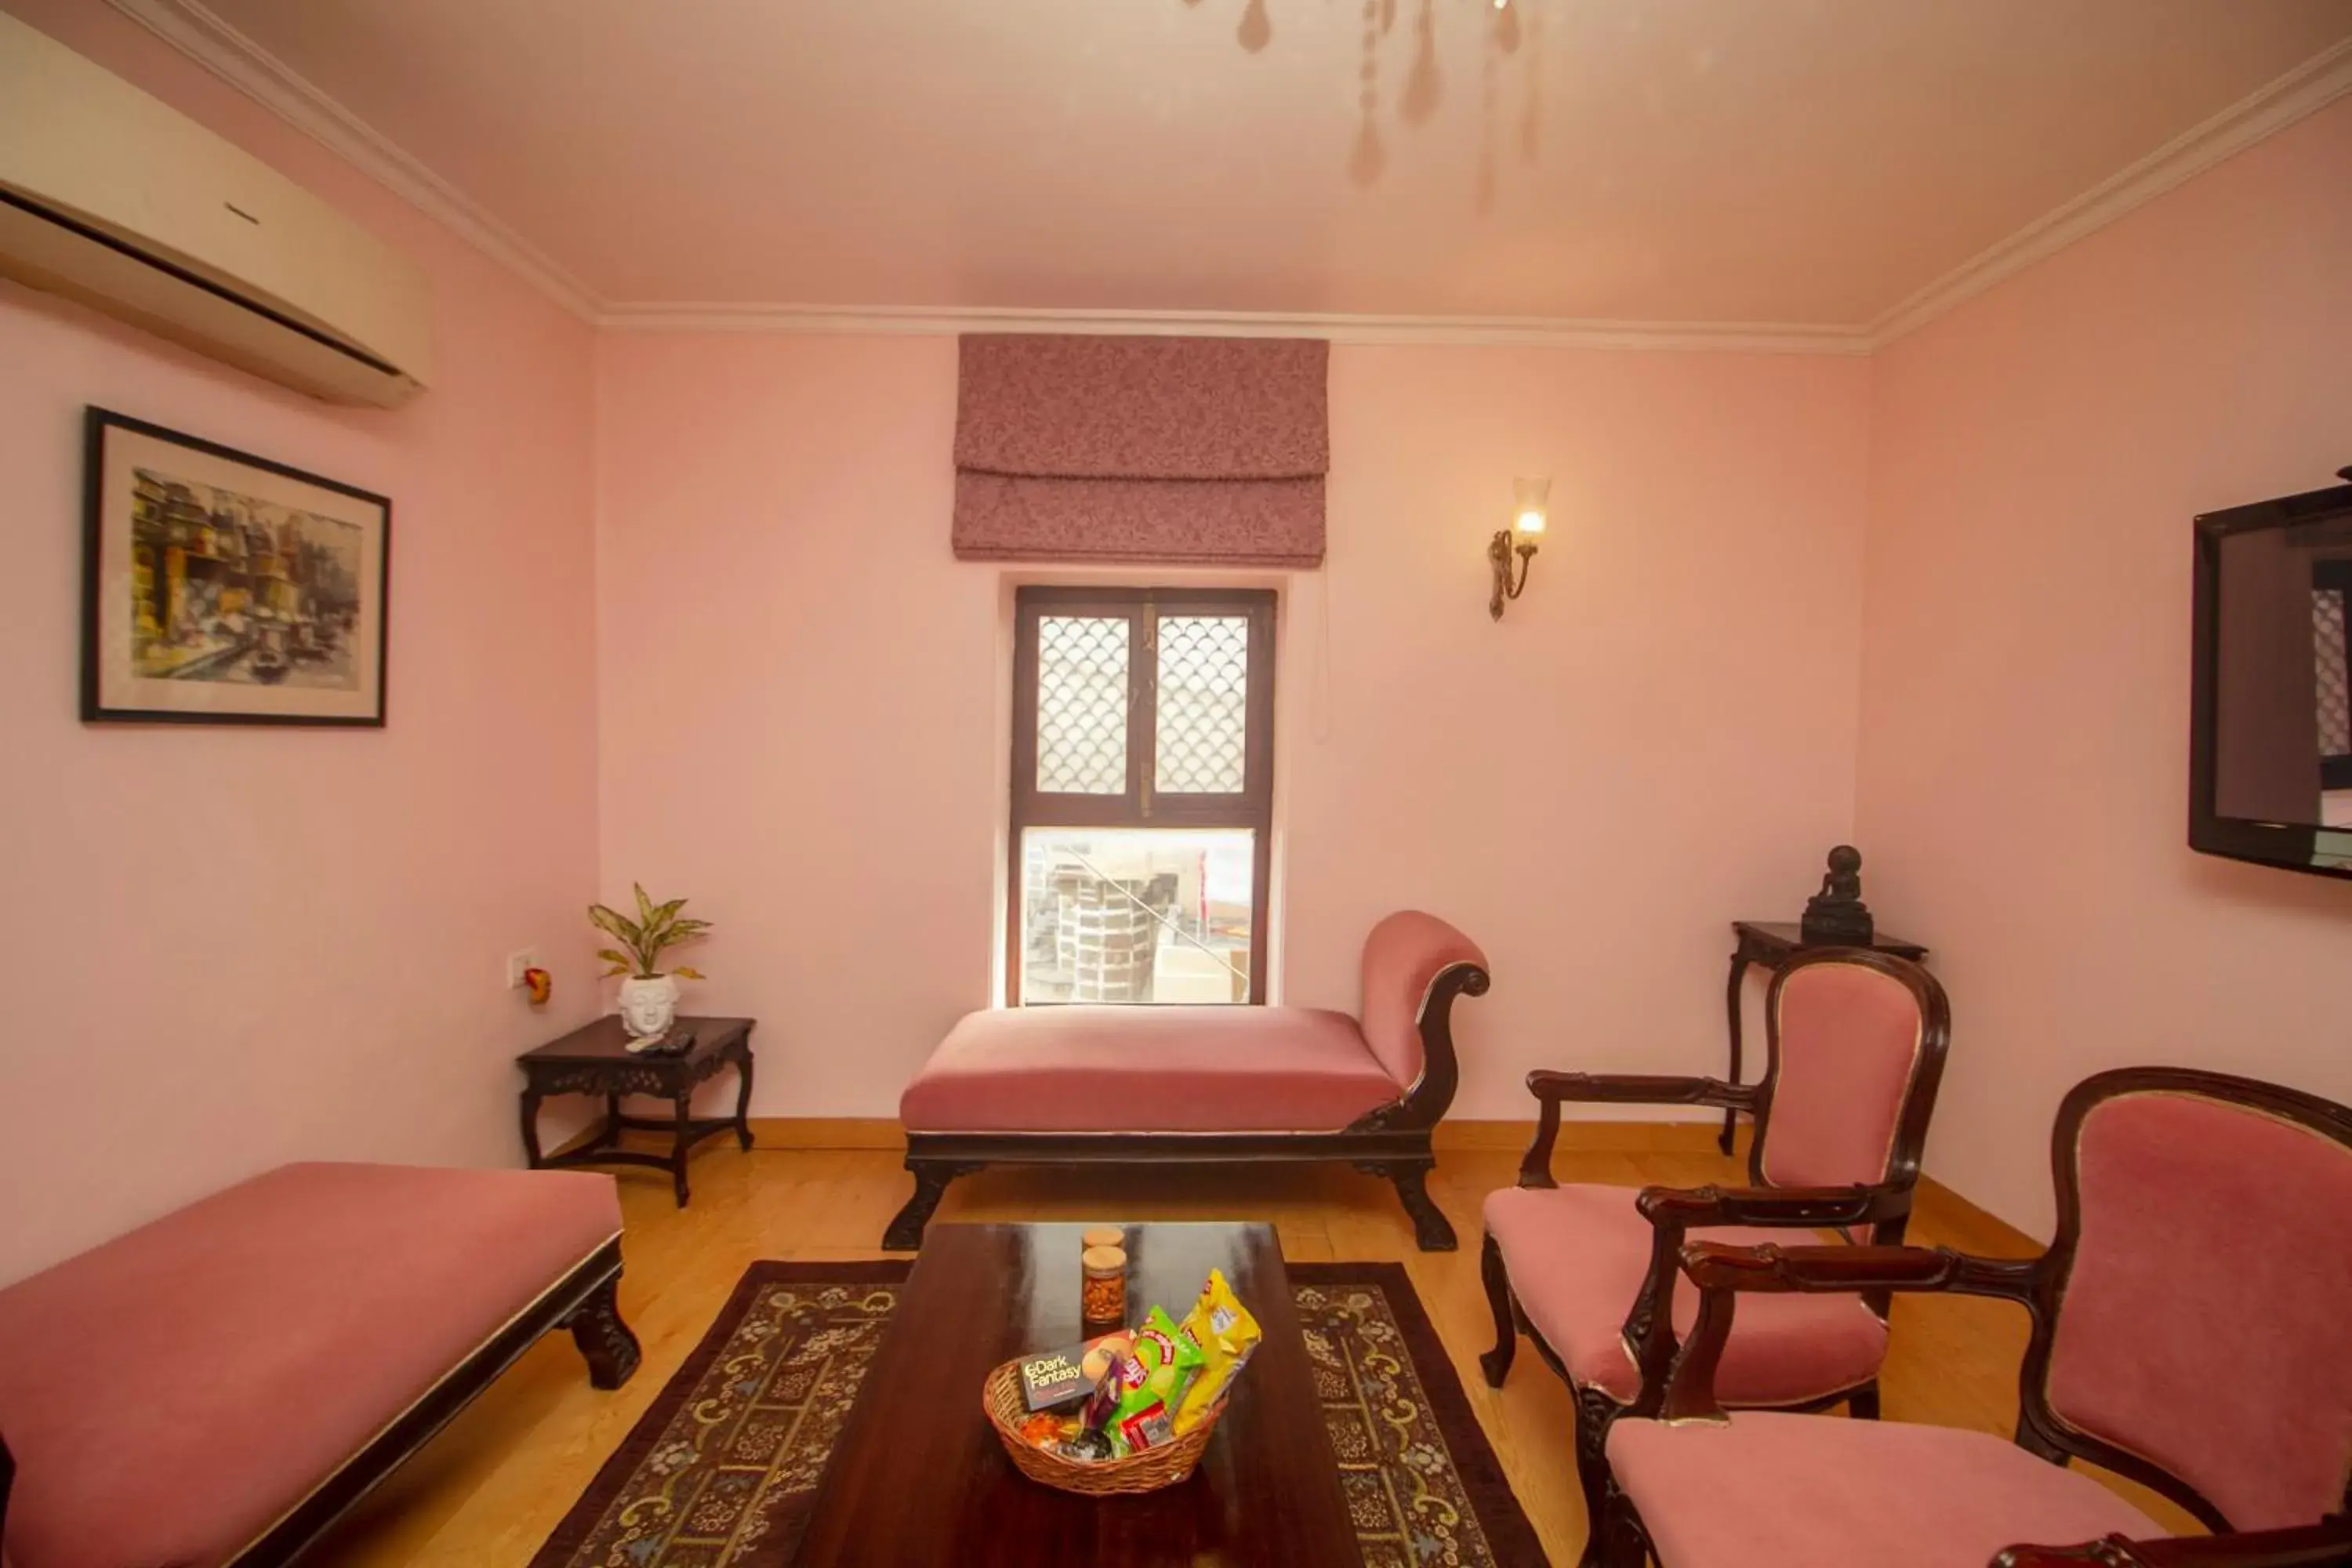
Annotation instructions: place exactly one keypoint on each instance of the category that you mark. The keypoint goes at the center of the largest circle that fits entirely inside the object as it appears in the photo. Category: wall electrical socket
(518, 960)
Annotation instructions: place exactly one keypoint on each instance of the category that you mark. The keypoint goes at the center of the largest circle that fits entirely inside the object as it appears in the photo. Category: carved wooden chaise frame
(1672, 1212)
(1392, 1142)
(2037, 1284)
(584, 1300)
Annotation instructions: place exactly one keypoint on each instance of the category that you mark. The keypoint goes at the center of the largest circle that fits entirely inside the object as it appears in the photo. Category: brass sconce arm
(1507, 585)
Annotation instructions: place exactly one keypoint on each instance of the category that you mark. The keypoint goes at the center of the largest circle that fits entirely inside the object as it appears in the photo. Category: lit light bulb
(1531, 505)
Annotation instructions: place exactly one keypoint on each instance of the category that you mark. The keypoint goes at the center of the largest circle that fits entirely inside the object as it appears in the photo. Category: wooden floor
(489, 1489)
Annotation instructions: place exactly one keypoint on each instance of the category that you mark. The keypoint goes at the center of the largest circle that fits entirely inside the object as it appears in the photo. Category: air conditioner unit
(117, 200)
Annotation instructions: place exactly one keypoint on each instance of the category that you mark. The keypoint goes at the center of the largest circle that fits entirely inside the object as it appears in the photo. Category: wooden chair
(1855, 1050)
(2192, 1331)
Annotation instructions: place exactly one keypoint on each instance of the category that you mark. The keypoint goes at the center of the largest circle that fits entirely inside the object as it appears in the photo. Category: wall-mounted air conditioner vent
(113, 198)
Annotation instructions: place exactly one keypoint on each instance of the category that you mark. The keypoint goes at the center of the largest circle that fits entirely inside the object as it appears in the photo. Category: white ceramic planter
(648, 1006)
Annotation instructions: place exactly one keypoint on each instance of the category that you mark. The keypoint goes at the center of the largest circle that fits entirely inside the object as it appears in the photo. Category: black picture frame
(2294, 846)
(366, 643)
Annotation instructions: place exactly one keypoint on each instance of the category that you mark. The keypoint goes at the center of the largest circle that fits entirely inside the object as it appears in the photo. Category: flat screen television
(2270, 759)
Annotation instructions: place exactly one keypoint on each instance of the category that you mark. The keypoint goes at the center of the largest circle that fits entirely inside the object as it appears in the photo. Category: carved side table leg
(683, 1141)
(743, 1097)
(531, 1127)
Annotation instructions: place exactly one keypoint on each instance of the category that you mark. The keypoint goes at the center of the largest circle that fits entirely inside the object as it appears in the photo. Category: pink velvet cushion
(1577, 1258)
(1849, 1043)
(1147, 1069)
(2207, 1324)
(1770, 1491)
(1403, 956)
(169, 1395)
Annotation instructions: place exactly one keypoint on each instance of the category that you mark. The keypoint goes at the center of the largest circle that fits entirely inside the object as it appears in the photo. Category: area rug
(723, 1469)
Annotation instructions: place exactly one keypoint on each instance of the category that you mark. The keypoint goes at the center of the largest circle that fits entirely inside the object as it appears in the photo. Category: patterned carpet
(724, 1466)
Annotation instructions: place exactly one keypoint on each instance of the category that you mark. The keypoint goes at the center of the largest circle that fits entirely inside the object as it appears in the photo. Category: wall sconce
(1528, 515)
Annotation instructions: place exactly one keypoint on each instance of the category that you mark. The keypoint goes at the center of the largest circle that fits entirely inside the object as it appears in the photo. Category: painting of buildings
(227, 588)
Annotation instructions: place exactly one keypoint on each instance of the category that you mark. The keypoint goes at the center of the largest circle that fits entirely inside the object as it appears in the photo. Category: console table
(596, 1060)
(1772, 943)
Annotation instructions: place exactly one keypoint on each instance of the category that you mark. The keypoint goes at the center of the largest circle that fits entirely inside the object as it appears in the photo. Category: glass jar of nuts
(1102, 1295)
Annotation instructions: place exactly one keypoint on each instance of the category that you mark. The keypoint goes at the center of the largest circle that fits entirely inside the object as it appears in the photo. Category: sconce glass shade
(1532, 507)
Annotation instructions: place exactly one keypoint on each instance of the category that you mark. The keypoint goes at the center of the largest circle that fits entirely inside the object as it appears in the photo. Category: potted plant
(648, 994)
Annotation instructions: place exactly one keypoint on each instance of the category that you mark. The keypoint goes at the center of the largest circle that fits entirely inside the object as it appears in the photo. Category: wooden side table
(596, 1060)
(1772, 943)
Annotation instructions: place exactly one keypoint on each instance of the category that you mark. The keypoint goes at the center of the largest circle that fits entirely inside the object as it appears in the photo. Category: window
(1142, 794)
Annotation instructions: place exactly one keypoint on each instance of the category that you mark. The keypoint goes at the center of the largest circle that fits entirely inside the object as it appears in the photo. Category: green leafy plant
(657, 926)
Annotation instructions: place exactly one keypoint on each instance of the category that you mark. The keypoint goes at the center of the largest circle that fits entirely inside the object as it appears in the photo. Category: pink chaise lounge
(1184, 1084)
(218, 1386)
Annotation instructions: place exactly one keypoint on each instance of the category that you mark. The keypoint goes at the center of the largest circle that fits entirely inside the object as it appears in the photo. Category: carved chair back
(2193, 1315)
(1855, 1054)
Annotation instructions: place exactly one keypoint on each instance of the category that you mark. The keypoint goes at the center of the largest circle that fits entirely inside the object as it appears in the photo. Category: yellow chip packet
(1225, 1334)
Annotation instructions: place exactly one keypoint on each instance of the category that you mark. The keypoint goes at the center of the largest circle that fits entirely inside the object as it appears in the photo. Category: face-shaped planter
(648, 1006)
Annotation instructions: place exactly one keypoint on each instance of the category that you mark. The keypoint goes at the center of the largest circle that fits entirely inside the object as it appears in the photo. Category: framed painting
(222, 588)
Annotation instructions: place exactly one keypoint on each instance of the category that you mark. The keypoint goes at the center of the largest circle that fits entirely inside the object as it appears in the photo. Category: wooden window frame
(1140, 806)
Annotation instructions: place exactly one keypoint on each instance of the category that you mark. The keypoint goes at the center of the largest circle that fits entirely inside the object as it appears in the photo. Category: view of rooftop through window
(1141, 785)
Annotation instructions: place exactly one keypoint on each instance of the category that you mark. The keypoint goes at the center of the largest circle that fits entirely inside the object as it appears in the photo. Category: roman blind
(1158, 449)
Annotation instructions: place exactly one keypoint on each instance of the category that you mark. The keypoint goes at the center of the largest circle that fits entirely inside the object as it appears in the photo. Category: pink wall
(802, 690)
(229, 948)
(2036, 458)
(234, 948)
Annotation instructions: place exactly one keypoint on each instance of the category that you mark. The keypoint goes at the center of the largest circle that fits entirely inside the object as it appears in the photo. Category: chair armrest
(2305, 1546)
(1794, 1206)
(1672, 1211)
(1551, 1089)
(1720, 1271)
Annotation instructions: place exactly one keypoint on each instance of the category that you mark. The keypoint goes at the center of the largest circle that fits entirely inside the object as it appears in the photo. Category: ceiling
(1797, 162)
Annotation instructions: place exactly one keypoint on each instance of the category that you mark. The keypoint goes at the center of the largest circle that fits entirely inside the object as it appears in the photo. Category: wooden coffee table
(919, 1477)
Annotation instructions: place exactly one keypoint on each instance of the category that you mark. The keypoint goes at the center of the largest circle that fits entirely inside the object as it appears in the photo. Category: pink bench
(1178, 1084)
(218, 1386)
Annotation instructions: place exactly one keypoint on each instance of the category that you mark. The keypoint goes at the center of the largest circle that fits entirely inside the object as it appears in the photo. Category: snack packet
(1057, 1377)
(1146, 1426)
(1048, 1431)
(1095, 1415)
(1177, 1359)
(1225, 1334)
(1147, 1376)
(1088, 1445)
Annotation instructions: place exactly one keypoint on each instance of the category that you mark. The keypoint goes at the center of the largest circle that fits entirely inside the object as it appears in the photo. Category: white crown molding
(193, 29)
(2305, 90)
(190, 27)
(890, 321)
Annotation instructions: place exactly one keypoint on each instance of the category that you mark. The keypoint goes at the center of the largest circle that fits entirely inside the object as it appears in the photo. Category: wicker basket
(1153, 1468)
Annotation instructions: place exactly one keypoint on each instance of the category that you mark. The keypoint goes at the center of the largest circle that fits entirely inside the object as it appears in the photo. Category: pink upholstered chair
(1856, 1050)
(2193, 1330)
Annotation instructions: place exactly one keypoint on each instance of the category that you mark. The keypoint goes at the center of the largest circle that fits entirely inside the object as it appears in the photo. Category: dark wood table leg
(684, 1144)
(743, 1097)
(1731, 1000)
(531, 1127)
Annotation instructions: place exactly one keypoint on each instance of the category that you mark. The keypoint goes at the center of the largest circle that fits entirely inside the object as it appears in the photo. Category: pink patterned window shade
(1182, 450)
